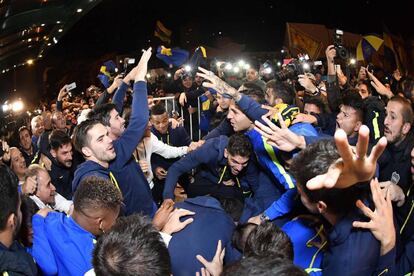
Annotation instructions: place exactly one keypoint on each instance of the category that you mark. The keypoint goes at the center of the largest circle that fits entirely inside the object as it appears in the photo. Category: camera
(370, 68)
(341, 51)
(294, 68)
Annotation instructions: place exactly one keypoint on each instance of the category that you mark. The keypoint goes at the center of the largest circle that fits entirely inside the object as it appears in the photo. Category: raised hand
(382, 220)
(218, 84)
(307, 83)
(215, 267)
(280, 137)
(307, 118)
(162, 215)
(353, 166)
(142, 67)
(174, 223)
(62, 93)
(381, 88)
(29, 186)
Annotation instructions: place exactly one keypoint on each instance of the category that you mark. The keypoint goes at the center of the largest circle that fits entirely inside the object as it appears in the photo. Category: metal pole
(199, 118)
(166, 106)
(191, 125)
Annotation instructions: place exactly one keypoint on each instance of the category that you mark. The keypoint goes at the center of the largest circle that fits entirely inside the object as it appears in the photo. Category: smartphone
(71, 86)
(130, 60)
(370, 68)
(337, 68)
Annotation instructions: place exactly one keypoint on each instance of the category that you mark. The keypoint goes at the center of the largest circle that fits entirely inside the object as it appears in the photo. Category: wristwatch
(263, 217)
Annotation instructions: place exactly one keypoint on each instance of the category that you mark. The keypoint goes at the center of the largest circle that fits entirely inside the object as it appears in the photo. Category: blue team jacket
(211, 156)
(61, 246)
(211, 223)
(125, 169)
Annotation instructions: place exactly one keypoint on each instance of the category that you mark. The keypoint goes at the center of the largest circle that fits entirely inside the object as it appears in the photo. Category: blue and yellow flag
(199, 58)
(162, 32)
(172, 57)
(107, 73)
(367, 46)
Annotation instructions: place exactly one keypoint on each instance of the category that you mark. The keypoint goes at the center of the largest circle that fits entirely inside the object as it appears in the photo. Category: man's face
(307, 203)
(363, 90)
(17, 162)
(58, 120)
(147, 132)
(117, 123)
(362, 75)
(64, 155)
(348, 120)
(238, 120)
(100, 144)
(39, 127)
(25, 139)
(19, 218)
(394, 123)
(160, 122)
(198, 80)
(252, 74)
(223, 102)
(187, 82)
(236, 163)
(101, 219)
(311, 108)
(109, 219)
(45, 190)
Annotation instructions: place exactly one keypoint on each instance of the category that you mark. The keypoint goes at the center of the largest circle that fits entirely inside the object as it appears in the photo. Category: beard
(106, 156)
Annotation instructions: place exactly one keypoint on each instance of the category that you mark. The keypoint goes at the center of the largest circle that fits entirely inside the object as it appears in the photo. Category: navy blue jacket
(62, 178)
(211, 224)
(128, 174)
(88, 168)
(176, 137)
(211, 157)
(16, 261)
(351, 251)
(397, 159)
(134, 186)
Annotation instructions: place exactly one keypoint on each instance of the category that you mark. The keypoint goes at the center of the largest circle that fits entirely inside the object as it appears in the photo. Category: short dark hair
(267, 239)
(318, 102)
(102, 113)
(241, 233)
(406, 110)
(9, 196)
(233, 207)
(263, 266)
(58, 138)
(314, 160)
(282, 91)
(254, 91)
(367, 84)
(80, 134)
(353, 99)
(96, 192)
(29, 208)
(22, 128)
(132, 247)
(158, 109)
(239, 144)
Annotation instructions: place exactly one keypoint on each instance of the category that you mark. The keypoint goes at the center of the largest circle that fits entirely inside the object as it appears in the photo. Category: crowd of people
(284, 174)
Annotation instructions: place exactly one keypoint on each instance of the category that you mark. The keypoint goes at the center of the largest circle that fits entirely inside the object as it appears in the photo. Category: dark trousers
(203, 186)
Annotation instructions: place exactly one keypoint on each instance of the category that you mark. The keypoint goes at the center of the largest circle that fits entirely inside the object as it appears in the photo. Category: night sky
(126, 26)
(260, 25)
